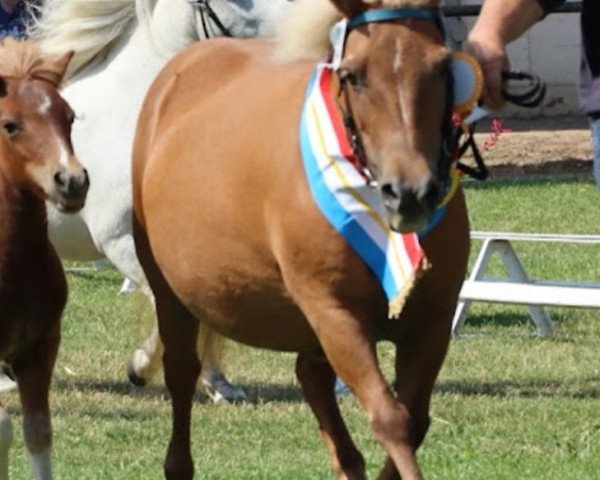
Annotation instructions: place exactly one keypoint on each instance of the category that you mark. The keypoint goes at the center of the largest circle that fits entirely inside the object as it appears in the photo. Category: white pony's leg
(210, 349)
(6, 440)
(146, 360)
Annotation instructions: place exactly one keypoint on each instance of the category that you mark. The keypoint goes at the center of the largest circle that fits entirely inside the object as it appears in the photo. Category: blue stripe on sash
(351, 231)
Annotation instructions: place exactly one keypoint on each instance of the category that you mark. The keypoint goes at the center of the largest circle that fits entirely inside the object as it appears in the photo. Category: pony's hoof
(219, 389)
(133, 376)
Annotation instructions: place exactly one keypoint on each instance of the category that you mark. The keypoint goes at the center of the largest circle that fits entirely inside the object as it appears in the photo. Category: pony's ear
(52, 69)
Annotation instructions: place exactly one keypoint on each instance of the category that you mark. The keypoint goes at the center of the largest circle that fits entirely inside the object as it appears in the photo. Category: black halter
(448, 138)
(207, 13)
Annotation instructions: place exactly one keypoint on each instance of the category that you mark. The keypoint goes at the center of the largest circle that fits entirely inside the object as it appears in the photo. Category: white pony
(120, 45)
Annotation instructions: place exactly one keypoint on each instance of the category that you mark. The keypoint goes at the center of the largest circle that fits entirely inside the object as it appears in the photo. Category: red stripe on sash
(336, 121)
(413, 248)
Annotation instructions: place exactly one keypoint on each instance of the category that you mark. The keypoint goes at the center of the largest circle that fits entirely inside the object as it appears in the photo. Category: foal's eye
(11, 127)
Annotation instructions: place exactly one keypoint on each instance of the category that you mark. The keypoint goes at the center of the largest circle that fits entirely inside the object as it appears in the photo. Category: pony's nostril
(59, 179)
(78, 185)
(390, 195)
(388, 190)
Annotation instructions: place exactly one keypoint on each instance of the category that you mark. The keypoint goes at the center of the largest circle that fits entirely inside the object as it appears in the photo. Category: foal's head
(35, 127)
(396, 94)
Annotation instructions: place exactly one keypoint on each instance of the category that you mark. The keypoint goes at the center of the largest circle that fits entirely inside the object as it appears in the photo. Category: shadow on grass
(587, 388)
(499, 320)
(537, 176)
(96, 276)
(258, 393)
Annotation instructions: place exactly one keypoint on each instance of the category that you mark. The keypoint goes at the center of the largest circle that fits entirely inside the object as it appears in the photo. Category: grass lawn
(508, 404)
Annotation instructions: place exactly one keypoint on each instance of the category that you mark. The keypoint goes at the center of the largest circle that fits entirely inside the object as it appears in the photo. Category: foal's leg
(6, 439)
(33, 379)
(317, 379)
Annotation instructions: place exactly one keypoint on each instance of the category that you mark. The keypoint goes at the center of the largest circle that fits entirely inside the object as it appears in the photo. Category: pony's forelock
(19, 57)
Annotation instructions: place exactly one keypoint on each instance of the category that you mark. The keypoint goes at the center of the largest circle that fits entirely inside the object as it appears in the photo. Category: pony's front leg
(6, 440)
(317, 379)
(345, 338)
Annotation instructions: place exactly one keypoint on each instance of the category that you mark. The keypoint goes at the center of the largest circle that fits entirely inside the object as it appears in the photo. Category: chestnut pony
(228, 233)
(36, 164)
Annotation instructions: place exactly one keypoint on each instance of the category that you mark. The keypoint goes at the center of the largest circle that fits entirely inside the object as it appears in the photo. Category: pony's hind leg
(6, 440)
(317, 379)
(178, 331)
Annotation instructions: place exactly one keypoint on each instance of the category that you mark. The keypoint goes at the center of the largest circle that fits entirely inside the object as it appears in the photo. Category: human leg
(595, 129)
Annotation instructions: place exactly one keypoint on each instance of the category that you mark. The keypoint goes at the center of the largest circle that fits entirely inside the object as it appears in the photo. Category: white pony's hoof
(6, 383)
(219, 389)
(138, 368)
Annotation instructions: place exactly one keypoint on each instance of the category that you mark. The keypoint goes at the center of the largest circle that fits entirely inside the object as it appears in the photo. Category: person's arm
(499, 23)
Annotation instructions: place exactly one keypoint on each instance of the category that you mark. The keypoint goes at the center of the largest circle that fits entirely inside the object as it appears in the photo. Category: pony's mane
(19, 58)
(88, 27)
(303, 30)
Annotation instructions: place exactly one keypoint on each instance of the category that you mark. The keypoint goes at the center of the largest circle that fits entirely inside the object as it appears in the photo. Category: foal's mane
(88, 27)
(303, 32)
(23, 59)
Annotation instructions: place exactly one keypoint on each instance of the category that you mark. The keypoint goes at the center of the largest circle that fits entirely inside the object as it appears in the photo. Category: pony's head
(395, 94)
(395, 75)
(35, 127)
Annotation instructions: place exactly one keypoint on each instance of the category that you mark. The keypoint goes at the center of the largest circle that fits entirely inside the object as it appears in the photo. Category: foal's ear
(52, 69)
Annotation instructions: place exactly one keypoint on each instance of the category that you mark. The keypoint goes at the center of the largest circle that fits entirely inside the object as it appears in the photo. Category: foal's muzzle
(409, 207)
(71, 188)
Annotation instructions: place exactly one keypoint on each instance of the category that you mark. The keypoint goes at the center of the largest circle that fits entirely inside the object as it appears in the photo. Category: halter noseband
(339, 34)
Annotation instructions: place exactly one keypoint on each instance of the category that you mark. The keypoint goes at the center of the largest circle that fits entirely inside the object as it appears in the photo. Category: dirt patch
(537, 146)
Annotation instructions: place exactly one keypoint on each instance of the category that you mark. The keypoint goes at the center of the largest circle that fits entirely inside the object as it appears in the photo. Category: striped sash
(352, 207)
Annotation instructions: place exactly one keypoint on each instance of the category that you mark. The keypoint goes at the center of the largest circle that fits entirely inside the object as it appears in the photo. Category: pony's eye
(11, 127)
(352, 77)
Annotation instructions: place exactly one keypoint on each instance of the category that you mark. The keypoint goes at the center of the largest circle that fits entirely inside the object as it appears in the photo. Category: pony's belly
(256, 312)
(264, 323)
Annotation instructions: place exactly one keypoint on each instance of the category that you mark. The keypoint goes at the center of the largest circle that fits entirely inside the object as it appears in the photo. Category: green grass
(508, 404)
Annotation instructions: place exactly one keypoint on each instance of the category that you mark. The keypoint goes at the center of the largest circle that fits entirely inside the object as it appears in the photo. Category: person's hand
(490, 52)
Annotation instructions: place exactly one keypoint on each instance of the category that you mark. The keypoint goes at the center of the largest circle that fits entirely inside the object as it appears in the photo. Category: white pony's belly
(70, 236)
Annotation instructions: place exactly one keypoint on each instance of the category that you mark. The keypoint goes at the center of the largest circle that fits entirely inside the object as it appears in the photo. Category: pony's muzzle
(71, 187)
(409, 206)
